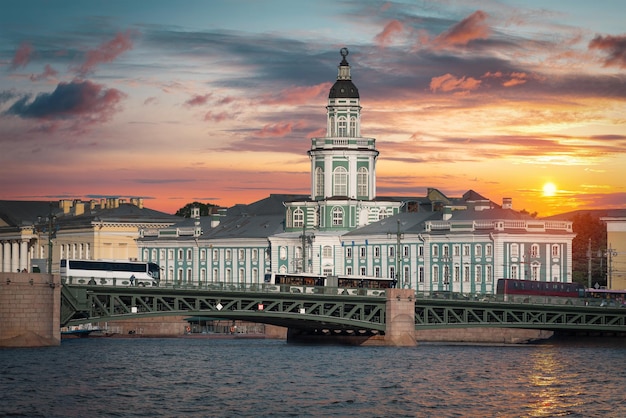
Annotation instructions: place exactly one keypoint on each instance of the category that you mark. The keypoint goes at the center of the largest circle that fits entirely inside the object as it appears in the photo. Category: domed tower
(343, 164)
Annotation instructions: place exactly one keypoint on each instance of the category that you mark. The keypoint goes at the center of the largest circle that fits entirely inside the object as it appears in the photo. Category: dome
(343, 89)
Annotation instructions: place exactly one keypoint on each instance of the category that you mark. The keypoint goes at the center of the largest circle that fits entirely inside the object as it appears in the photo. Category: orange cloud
(297, 95)
(448, 82)
(471, 28)
(277, 129)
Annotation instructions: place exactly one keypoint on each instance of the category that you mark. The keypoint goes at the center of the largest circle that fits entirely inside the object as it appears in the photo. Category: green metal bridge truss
(314, 312)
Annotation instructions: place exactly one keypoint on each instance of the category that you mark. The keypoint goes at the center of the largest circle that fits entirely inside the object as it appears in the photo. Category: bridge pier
(400, 318)
(30, 306)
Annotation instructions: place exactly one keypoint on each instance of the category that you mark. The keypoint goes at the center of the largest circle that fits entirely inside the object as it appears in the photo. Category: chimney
(507, 203)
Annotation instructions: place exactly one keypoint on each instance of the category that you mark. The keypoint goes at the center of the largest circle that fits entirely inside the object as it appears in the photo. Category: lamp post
(48, 224)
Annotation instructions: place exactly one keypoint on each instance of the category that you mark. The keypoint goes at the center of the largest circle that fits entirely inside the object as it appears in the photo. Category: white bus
(109, 273)
(342, 284)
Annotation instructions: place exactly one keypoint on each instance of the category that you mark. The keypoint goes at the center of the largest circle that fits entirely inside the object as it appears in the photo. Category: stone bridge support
(30, 306)
(400, 318)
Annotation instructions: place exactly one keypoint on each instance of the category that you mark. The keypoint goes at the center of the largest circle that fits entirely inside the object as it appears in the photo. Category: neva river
(108, 377)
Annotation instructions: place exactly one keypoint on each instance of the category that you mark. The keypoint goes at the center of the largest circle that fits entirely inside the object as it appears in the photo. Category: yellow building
(616, 249)
(35, 235)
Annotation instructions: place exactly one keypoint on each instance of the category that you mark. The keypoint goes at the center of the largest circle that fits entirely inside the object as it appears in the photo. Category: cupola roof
(344, 87)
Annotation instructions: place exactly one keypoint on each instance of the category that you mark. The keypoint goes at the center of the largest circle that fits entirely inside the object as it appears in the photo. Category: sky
(216, 101)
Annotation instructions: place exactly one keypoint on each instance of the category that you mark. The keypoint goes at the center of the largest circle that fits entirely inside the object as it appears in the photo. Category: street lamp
(48, 225)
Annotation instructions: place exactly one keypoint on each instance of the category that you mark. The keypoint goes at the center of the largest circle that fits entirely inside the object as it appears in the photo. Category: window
(420, 273)
(337, 216)
(154, 255)
(392, 272)
(162, 255)
(435, 250)
(229, 276)
(435, 274)
(466, 273)
(514, 272)
(407, 274)
(228, 255)
(457, 273)
(535, 272)
(479, 274)
(203, 275)
(534, 251)
(170, 274)
(361, 182)
(340, 178)
(216, 275)
(319, 181)
(188, 275)
(342, 127)
(348, 252)
(327, 251)
(349, 271)
(242, 255)
(298, 218)
(202, 254)
(189, 252)
(377, 252)
(488, 250)
(514, 250)
(391, 250)
(446, 251)
(255, 274)
(216, 255)
(363, 271)
(555, 250)
(478, 249)
(180, 254)
(242, 276)
(353, 126)
(377, 271)
(466, 250)
(456, 250)
(362, 252)
(255, 254)
(420, 250)
(283, 253)
(488, 274)
(405, 251)
(382, 214)
(145, 255)
(180, 275)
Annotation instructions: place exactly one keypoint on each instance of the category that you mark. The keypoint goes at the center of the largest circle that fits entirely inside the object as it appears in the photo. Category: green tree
(205, 209)
(588, 227)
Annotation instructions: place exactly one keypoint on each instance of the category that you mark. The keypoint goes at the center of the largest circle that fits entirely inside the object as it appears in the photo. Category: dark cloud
(614, 46)
(85, 101)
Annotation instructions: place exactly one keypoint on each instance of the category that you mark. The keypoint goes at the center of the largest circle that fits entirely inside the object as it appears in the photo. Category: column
(6, 266)
(15, 257)
(24, 255)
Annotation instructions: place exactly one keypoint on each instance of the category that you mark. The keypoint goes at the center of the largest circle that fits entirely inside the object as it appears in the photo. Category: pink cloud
(48, 72)
(614, 46)
(216, 117)
(297, 95)
(385, 37)
(277, 129)
(22, 55)
(448, 82)
(509, 80)
(198, 100)
(107, 52)
(471, 28)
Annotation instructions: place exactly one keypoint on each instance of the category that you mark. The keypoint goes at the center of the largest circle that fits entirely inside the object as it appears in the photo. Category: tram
(532, 291)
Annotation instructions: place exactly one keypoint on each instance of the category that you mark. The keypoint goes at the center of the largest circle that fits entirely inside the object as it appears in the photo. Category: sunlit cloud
(469, 29)
(613, 46)
(106, 52)
(22, 56)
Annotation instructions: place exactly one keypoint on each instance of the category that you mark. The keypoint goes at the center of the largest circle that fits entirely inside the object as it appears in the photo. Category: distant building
(616, 248)
(431, 243)
(105, 229)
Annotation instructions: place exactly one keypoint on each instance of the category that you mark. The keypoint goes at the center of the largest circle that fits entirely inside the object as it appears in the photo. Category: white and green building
(429, 243)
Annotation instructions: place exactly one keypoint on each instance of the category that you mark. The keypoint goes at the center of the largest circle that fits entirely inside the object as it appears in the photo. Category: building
(430, 243)
(616, 248)
(35, 235)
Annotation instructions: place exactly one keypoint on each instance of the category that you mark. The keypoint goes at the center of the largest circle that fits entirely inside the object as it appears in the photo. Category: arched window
(327, 251)
(353, 132)
(319, 181)
(337, 216)
(340, 177)
(534, 251)
(361, 182)
(342, 127)
(298, 218)
(514, 250)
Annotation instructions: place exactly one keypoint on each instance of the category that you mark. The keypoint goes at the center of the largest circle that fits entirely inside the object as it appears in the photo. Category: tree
(588, 227)
(205, 209)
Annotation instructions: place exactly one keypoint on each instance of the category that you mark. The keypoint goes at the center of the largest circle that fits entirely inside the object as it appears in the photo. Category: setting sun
(549, 189)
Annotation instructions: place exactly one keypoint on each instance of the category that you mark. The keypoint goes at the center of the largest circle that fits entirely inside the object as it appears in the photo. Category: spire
(343, 87)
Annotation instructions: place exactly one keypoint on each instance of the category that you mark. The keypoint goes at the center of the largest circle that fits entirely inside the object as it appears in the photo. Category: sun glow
(549, 189)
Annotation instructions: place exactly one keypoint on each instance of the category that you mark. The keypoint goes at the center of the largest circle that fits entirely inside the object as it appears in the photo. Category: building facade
(616, 249)
(428, 243)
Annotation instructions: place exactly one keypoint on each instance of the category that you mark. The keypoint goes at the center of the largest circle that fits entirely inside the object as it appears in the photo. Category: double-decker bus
(315, 283)
(109, 273)
(532, 291)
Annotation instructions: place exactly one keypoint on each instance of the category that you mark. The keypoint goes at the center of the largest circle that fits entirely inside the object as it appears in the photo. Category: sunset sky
(216, 101)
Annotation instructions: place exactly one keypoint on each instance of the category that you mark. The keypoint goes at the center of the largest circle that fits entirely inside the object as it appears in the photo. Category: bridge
(326, 313)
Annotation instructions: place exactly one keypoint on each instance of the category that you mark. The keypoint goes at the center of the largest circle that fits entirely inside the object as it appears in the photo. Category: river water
(179, 377)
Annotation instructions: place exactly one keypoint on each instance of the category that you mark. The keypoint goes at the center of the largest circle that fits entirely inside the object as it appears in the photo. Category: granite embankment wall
(30, 306)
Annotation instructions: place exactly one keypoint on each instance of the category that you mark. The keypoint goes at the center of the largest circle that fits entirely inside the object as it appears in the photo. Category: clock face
(343, 52)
